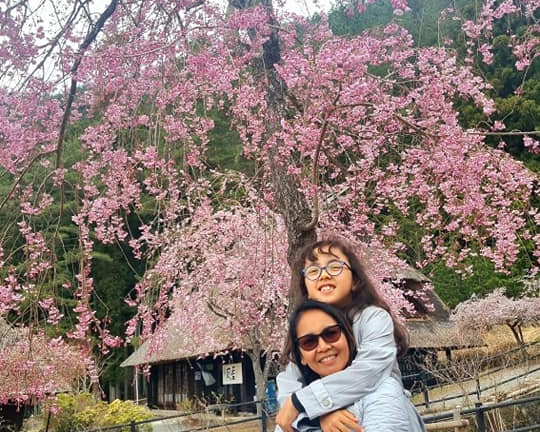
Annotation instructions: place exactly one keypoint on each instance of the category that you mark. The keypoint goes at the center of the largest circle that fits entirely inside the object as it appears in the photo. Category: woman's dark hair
(364, 292)
(292, 352)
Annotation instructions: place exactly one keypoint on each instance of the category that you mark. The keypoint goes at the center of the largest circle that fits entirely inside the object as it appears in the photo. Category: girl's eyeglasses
(310, 341)
(333, 268)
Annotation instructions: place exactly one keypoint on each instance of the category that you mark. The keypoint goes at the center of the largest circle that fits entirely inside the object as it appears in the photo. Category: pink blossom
(531, 144)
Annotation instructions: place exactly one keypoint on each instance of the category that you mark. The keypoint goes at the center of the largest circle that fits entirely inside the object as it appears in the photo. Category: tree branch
(315, 178)
(53, 43)
(73, 88)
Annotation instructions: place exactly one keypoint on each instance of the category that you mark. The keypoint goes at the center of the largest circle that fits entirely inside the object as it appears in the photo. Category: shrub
(123, 412)
(69, 405)
(188, 405)
(82, 411)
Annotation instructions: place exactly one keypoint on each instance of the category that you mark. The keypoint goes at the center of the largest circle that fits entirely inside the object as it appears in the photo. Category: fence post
(48, 421)
(264, 418)
(480, 422)
(425, 391)
(132, 427)
(457, 416)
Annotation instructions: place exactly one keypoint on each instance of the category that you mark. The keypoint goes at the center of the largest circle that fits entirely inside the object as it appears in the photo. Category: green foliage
(453, 288)
(82, 411)
(344, 22)
(225, 147)
(422, 21)
(115, 273)
(516, 93)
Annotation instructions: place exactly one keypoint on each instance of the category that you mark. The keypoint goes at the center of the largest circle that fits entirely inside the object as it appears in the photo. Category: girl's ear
(303, 361)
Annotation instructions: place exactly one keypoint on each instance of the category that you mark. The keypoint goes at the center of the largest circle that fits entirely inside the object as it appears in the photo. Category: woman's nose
(322, 345)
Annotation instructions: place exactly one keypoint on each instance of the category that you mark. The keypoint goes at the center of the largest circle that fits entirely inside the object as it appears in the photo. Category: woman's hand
(340, 421)
(286, 415)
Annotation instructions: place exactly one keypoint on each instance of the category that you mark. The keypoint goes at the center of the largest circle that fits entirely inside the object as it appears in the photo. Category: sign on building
(232, 373)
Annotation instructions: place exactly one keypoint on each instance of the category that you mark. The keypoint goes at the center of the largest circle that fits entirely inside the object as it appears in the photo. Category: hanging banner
(232, 373)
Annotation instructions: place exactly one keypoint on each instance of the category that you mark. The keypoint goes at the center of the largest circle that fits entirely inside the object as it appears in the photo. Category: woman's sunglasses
(310, 341)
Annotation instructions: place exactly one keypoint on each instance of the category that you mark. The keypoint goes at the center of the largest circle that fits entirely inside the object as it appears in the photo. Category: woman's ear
(303, 361)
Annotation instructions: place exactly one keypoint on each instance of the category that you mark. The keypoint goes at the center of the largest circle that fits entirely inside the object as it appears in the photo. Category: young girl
(333, 274)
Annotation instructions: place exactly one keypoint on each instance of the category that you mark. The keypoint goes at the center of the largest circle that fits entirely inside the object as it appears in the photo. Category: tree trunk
(290, 202)
(515, 327)
(260, 373)
(297, 214)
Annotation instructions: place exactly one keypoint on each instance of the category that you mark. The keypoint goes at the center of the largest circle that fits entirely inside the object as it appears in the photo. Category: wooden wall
(172, 383)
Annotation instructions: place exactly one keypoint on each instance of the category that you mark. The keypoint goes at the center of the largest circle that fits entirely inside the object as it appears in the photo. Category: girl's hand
(340, 421)
(286, 415)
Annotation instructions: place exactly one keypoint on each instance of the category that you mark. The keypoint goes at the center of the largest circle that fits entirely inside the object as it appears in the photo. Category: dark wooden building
(178, 383)
(183, 372)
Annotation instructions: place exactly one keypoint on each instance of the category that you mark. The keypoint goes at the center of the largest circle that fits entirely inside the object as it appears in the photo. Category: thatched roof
(8, 334)
(406, 272)
(177, 339)
(414, 280)
(178, 344)
(423, 333)
(438, 334)
(397, 268)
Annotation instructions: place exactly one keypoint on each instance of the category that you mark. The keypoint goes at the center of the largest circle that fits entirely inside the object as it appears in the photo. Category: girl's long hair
(292, 352)
(364, 292)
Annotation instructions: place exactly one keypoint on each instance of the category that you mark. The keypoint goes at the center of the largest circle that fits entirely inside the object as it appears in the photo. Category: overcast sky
(303, 7)
(307, 7)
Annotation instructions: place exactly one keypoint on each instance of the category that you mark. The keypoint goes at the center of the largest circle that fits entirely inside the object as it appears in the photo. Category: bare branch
(315, 178)
(215, 310)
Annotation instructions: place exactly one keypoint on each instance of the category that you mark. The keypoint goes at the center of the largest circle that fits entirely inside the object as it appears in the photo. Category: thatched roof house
(430, 328)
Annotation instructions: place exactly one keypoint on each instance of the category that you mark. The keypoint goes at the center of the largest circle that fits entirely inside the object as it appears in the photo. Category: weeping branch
(91, 37)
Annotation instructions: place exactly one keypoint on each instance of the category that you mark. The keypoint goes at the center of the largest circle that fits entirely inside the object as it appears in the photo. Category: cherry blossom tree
(111, 111)
(38, 368)
(497, 309)
(228, 272)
